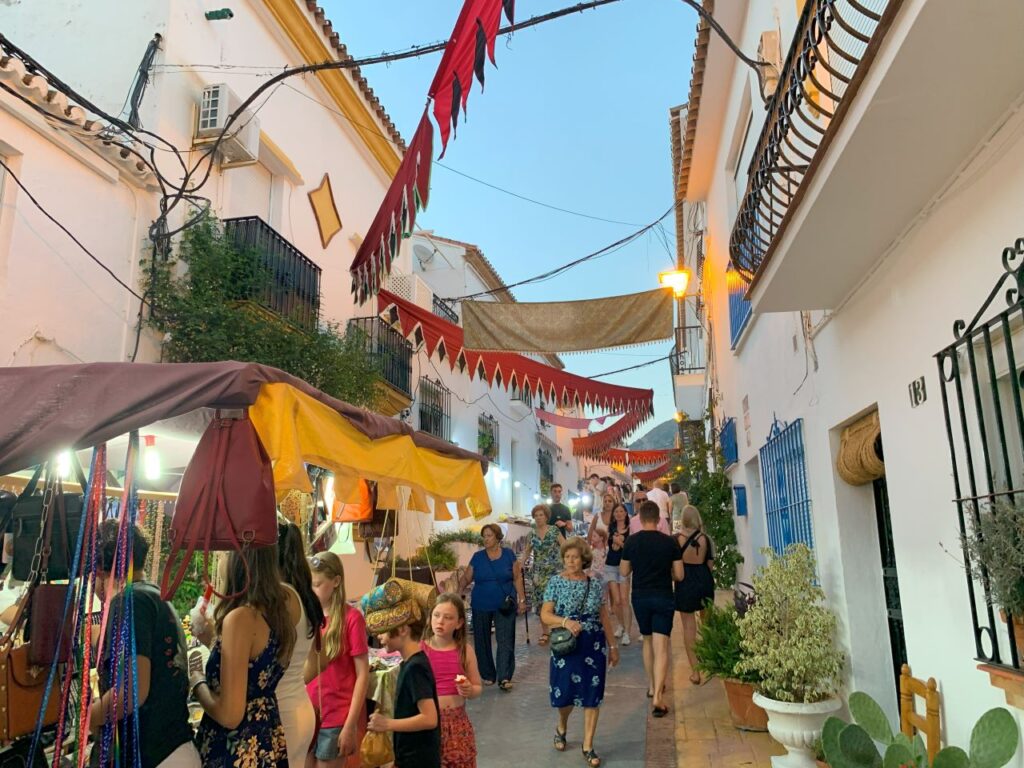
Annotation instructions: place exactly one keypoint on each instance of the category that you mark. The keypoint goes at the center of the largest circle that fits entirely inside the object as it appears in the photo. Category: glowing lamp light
(677, 280)
(549, 500)
(585, 498)
(517, 484)
(536, 497)
(64, 464)
(679, 468)
(678, 417)
(150, 458)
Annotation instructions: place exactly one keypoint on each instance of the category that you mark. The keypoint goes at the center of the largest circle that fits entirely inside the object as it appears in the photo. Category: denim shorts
(612, 575)
(654, 613)
(327, 744)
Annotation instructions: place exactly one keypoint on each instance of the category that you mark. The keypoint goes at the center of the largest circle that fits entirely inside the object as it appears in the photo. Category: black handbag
(27, 524)
(508, 605)
(562, 641)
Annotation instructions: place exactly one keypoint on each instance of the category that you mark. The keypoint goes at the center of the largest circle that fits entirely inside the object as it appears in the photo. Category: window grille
(435, 408)
(787, 502)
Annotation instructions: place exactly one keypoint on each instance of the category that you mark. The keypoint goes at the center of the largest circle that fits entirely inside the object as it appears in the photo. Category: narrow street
(517, 727)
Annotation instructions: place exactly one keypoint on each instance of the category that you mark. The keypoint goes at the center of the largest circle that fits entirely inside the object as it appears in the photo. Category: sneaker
(618, 633)
(625, 641)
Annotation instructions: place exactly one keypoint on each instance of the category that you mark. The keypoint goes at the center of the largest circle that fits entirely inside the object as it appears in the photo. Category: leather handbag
(226, 500)
(22, 689)
(28, 526)
(561, 640)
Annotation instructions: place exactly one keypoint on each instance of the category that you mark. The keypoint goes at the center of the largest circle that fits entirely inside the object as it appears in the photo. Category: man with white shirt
(660, 496)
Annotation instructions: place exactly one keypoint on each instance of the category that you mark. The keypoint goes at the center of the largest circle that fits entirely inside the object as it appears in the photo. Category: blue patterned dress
(577, 679)
(258, 741)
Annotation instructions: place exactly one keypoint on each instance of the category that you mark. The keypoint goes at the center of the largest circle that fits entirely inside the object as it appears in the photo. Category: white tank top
(291, 690)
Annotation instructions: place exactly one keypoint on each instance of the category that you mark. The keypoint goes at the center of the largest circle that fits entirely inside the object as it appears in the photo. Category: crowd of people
(287, 678)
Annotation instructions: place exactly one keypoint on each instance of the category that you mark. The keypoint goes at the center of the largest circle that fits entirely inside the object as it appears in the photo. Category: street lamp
(677, 280)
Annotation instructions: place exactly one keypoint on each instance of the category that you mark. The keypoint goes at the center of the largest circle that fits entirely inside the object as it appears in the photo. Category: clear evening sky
(575, 116)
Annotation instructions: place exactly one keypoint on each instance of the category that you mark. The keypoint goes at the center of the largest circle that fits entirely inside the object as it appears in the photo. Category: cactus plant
(854, 745)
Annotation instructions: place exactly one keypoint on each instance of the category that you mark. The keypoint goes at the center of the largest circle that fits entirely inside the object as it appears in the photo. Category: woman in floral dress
(255, 631)
(575, 601)
(547, 559)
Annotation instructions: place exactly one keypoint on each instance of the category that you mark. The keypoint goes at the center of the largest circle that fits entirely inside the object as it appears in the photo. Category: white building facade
(839, 233)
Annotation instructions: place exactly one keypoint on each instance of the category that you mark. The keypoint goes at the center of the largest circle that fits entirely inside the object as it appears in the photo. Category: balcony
(292, 285)
(688, 362)
(393, 355)
(444, 310)
(864, 132)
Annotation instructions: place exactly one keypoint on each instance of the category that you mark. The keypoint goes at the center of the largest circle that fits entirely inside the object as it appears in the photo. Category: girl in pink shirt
(338, 680)
(457, 677)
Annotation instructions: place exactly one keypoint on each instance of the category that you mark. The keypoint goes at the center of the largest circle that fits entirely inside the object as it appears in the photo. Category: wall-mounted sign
(918, 394)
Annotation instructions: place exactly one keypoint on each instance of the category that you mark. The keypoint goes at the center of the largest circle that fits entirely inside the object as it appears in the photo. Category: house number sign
(918, 394)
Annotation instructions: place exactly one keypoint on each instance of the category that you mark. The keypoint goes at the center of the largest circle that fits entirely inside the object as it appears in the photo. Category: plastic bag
(376, 750)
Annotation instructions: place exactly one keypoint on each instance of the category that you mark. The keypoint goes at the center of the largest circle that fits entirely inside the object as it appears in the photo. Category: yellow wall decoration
(327, 219)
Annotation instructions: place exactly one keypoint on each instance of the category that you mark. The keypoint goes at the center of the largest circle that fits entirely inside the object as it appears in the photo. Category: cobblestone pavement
(517, 728)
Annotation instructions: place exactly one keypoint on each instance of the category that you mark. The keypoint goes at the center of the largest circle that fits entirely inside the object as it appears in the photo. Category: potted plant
(718, 652)
(788, 642)
(993, 741)
(994, 540)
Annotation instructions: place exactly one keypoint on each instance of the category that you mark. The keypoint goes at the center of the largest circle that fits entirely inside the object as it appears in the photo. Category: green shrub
(717, 648)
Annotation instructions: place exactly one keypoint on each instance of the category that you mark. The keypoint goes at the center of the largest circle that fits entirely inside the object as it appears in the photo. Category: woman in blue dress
(576, 602)
(255, 636)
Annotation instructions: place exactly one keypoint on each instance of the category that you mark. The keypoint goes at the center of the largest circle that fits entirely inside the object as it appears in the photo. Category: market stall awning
(52, 408)
(505, 369)
(597, 444)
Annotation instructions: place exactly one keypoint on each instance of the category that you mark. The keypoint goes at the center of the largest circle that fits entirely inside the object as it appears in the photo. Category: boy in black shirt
(165, 735)
(417, 722)
(656, 563)
(561, 515)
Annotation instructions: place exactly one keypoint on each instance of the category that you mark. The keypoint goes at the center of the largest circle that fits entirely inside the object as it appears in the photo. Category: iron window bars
(787, 502)
(435, 406)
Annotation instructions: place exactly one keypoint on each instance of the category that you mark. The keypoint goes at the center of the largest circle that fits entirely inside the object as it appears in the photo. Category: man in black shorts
(656, 563)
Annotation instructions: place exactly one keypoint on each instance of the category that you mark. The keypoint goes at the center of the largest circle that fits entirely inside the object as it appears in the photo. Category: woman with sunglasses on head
(339, 676)
(255, 631)
(297, 715)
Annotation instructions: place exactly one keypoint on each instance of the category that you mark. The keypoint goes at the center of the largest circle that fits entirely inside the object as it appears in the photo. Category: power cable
(630, 368)
(575, 262)
(465, 175)
(67, 232)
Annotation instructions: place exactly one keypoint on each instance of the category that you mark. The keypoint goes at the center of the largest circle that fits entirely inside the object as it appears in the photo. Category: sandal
(505, 685)
(488, 682)
(559, 740)
(591, 757)
(543, 640)
(699, 680)
(659, 711)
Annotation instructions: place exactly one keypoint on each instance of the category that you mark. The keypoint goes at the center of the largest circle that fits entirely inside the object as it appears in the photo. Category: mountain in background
(661, 436)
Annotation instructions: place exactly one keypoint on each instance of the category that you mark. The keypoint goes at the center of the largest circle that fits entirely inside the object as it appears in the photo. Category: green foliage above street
(710, 491)
(201, 302)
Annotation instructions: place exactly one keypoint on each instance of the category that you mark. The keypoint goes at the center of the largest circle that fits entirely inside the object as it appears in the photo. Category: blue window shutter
(739, 308)
(727, 441)
(739, 493)
(787, 502)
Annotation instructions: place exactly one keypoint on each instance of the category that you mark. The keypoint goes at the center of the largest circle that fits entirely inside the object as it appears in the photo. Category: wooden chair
(910, 721)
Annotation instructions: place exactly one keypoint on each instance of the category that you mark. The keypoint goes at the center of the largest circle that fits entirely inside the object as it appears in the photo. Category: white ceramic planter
(797, 727)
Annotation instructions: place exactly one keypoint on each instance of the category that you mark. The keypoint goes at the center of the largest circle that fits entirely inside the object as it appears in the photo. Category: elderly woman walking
(498, 596)
(544, 546)
(575, 601)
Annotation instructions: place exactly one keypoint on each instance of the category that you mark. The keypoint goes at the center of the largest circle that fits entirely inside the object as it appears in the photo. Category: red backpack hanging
(226, 501)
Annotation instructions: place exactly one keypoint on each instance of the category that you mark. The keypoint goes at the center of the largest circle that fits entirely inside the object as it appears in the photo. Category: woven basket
(858, 462)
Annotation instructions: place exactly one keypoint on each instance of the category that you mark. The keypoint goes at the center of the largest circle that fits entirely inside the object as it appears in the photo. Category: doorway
(890, 579)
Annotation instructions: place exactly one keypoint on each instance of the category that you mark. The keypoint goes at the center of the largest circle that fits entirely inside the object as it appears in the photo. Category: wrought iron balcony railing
(443, 309)
(833, 47)
(688, 355)
(290, 283)
(391, 350)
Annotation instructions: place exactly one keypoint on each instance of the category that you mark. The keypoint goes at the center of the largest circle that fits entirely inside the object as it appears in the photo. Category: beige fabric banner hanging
(568, 326)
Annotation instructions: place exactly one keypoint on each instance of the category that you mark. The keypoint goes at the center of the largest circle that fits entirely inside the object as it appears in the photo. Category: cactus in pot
(855, 745)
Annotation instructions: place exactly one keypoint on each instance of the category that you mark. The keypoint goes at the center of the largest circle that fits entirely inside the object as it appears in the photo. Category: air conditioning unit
(241, 144)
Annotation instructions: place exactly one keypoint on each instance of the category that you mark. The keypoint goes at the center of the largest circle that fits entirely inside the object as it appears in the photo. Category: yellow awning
(297, 429)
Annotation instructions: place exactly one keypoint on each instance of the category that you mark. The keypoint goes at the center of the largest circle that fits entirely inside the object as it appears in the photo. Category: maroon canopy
(47, 408)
